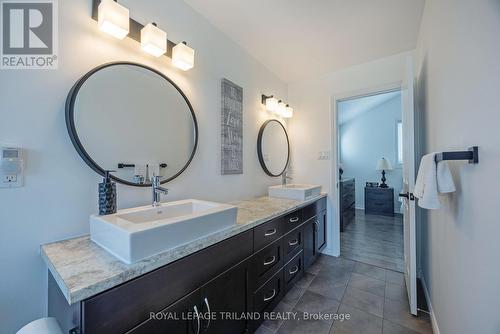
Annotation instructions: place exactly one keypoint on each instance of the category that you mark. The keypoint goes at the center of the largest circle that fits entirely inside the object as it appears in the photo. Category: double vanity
(222, 282)
(188, 266)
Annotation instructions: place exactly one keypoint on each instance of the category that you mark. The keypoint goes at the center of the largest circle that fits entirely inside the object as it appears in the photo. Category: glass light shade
(383, 164)
(281, 109)
(113, 18)
(288, 112)
(153, 40)
(183, 57)
(271, 104)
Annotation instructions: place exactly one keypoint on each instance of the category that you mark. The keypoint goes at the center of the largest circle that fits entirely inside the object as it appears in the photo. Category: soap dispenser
(107, 195)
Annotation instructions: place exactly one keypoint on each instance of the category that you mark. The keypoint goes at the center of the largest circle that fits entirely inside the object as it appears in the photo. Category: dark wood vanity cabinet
(203, 293)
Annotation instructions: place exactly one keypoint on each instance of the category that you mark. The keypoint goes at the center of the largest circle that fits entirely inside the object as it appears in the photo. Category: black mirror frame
(70, 122)
(259, 148)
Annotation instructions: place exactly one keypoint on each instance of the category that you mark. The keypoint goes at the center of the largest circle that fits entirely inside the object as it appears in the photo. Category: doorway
(370, 165)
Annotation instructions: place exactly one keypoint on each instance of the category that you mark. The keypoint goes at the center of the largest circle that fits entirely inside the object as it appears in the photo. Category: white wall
(61, 191)
(312, 124)
(458, 85)
(367, 138)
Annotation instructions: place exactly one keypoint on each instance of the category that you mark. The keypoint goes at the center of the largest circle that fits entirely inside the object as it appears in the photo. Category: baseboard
(435, 327)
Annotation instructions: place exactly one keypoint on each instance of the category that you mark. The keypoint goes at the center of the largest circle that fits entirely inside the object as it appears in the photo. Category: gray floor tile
(396, 292)
(305, 281)
(395, 277)
(264, 330)
(337, 273)
(312, 302)
(364, 301)
(274, 324)
(392, 328)
(327, 287)
(293, 296)
(398, 312)
(315, 268)
(359, 322)
(368, 284)
(370, 271)
(301, 326)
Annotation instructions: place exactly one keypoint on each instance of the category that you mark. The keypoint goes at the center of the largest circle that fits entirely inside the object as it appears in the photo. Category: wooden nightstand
(379, 201)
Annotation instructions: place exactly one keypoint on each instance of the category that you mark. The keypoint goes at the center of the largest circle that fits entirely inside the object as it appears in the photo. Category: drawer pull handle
(293, 242)
(294, 219)
(270, 232)
(209, 312)
(273, 259)
(197, 319)
(293, 270)
(270, 297)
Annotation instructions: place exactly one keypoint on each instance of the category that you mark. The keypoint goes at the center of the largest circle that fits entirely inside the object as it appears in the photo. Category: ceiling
(350, 109)
(297, 39)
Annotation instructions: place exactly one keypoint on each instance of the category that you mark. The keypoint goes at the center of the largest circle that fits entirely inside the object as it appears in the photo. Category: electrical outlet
(9, 179)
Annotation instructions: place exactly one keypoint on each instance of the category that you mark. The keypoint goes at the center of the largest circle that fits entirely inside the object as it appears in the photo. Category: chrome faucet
(157, 190)
(284, 178)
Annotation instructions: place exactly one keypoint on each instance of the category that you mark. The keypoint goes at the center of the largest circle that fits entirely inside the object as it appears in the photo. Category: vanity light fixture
(153, 40)
(183, 56)
(288, 112)
(281, 109)
(113, 19)
(271, 104)
(278, 107)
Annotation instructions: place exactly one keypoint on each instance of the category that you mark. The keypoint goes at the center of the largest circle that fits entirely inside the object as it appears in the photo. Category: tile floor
(373, 239)
(375, 299)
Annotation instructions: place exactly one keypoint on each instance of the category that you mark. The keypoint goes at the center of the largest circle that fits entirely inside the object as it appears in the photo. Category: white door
(410, 235)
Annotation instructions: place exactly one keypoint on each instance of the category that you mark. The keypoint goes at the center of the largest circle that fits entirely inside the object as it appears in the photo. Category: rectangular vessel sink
(135, 234)
(299, 192)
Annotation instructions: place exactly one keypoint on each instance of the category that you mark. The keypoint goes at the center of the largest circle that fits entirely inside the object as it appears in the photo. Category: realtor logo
(29, 34)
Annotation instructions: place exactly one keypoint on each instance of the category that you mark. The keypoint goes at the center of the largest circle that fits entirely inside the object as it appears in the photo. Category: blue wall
(367, 138)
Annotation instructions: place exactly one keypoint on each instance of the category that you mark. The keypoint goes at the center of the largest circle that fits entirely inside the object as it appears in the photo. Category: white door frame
(334, 171)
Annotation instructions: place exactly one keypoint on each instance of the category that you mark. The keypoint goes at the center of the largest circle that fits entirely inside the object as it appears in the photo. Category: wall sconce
(270, 102)
(274, 106)
(113, 19)
(288, 112)
(153, 40)
(183, 56)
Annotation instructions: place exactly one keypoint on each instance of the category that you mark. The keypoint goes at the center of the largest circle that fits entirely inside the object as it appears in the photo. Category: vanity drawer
(313, 209)
(293, 270)
(293, 220)
(121, 308)
(269, 294)
(266, 262)
(292, 242)
(266, 233)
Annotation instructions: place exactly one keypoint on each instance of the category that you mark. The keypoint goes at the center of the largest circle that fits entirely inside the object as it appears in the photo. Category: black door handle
(409, 196)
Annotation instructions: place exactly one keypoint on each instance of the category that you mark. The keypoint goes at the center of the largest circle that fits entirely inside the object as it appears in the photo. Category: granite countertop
(82, 269)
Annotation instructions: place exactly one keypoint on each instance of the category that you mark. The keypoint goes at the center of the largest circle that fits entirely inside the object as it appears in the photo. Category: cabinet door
(182, 317)
(320, 231)
(309, 243)
(225, 294)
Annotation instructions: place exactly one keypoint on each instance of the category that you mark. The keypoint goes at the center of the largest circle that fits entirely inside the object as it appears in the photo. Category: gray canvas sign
(231, 128)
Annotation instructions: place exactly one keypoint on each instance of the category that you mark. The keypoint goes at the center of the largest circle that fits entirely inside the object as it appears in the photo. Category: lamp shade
(384, 164)
(271, 104)
(183, 56)
(289, 112)
(153, 40)
(113, 19)
(281, 109)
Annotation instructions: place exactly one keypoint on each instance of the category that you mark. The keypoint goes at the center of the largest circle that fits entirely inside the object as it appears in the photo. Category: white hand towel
(432, 179)
(140, 169)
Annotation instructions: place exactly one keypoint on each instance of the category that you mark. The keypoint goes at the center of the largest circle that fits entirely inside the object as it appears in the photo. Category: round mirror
(273, 148)
(134, 120)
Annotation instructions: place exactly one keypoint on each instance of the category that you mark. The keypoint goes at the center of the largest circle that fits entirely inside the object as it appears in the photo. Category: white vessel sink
(299, 192)
(134, 234)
